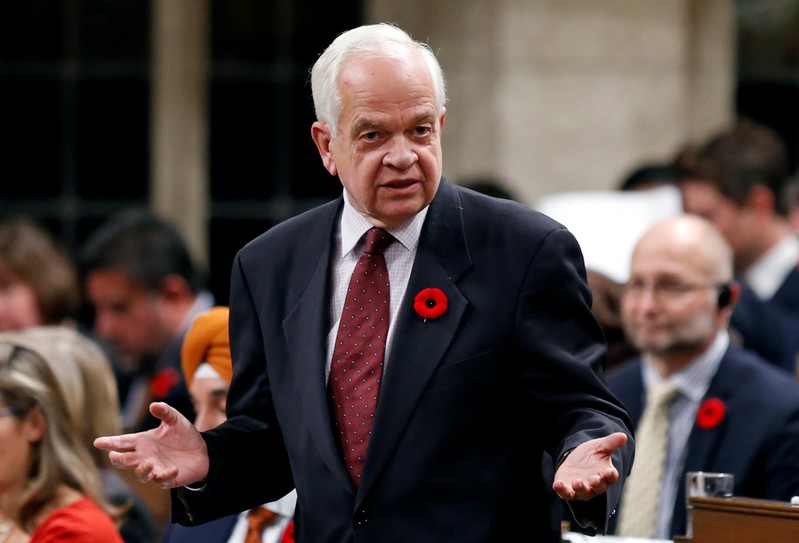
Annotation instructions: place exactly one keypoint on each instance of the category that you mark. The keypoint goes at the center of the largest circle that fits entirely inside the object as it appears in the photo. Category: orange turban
(208, 341)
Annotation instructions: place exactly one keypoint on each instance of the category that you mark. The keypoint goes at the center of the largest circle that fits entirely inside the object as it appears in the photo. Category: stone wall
(559, 95)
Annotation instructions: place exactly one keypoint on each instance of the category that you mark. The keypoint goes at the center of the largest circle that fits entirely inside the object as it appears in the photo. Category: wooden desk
(742, 520)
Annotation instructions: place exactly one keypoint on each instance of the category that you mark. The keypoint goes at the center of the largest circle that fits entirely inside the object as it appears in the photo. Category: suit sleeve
(249, 463)
(563, 366)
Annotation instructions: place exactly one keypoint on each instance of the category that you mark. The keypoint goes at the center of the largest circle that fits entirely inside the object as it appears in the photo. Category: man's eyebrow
(364, 124)
(425, 117)
(219, 392)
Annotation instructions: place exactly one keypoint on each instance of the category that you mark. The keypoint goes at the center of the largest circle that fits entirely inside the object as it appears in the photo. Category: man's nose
(401, 155)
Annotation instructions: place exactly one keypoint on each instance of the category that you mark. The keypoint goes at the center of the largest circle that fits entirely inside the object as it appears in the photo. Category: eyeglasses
(665, 290)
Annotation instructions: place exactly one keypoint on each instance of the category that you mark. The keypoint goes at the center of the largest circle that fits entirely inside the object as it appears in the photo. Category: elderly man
(467, 316)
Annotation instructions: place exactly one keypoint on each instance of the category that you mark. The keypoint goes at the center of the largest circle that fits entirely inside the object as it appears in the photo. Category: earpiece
(724, 295)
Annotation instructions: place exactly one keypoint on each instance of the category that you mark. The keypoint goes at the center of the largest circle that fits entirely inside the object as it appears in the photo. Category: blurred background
(200, 109)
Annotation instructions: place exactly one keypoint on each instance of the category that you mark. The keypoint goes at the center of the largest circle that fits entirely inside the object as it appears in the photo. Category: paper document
(571, 537)
(608, 224)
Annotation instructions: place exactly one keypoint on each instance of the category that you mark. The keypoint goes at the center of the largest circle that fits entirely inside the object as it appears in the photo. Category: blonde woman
(50, 485)
(96, 411)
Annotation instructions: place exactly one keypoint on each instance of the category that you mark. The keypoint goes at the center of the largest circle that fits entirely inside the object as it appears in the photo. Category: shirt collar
(354, 225)
(694, 379)
(768, 273)
(284, 506)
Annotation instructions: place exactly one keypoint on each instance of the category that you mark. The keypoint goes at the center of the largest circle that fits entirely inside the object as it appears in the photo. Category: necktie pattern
(258, 518)
(641, 496)
(357, 366)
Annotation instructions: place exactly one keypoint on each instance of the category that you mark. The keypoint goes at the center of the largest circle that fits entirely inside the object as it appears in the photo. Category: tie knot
(377, 240)
(259, 518)
(662, 393)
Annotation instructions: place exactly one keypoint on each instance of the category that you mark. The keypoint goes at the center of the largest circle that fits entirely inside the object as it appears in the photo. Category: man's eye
(672, 288)
(422, 130)
(635, 287)
(370, 136)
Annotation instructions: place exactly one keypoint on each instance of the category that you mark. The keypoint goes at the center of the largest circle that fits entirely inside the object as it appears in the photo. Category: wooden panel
(742, 520)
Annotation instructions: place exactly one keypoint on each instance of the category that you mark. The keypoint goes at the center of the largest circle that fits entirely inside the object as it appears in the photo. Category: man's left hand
(588, 470)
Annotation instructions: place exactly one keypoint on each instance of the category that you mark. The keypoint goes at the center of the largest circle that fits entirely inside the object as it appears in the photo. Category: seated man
(735, 180)
(207, 370)
(729, 410)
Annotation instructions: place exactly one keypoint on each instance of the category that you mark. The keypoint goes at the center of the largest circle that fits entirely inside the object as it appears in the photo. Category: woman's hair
(377, 40)
(98, 406)
(28, 253)
(37, 376)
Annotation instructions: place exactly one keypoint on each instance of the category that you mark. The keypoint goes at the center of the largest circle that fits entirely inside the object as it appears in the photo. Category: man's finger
(613, 441)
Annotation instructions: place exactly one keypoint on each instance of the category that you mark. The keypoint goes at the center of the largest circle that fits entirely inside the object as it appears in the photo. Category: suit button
(361, 518)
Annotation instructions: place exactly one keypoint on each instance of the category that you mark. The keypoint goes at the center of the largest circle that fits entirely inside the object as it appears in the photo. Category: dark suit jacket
(469, 402)
(758, 439)
(770, 327)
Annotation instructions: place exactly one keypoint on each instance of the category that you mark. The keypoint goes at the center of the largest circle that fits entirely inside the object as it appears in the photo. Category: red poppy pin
(430, 303)
(710, 413)
(163, 381)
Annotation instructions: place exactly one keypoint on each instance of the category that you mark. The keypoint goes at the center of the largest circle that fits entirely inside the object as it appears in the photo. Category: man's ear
(761, 198)
(442, 118)
(322, 137)
(175, 287)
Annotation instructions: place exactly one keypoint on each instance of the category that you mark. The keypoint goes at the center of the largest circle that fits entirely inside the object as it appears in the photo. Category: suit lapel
(703, 444)
(306, 328)
(418, 345)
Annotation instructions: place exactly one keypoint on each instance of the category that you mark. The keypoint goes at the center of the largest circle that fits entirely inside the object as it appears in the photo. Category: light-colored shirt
(768, 273)
(284, 507)
(692, 383)
(349, 247)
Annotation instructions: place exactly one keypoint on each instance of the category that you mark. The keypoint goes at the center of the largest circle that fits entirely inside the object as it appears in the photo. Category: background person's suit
(769, 327)
(469, 400)
(758, 438)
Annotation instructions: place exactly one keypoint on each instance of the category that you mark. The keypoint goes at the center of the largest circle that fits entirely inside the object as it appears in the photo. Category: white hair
(381, 39)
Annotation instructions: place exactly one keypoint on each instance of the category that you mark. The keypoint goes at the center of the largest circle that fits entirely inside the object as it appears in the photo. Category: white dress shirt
(284, 507)
(692, 383)
(348, 248)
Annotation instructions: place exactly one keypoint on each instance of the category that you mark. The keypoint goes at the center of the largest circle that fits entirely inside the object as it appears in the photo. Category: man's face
(737, 224)
(19, 307)
(126, 315)
(209, 398)
(387, 150)
(669, 304)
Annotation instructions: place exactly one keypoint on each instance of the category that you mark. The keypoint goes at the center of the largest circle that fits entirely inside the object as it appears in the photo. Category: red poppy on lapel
(163, 381)
(430, 303)
(710, 413)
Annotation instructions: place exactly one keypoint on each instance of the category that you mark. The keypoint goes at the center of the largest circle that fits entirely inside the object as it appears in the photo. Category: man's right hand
(172, 455)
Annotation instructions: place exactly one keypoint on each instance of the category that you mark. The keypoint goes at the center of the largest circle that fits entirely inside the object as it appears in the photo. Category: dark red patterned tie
(357, 366)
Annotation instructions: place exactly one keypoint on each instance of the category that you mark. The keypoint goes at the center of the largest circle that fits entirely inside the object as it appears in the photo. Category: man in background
(144, 290)
(724, 409)
(735, 180)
